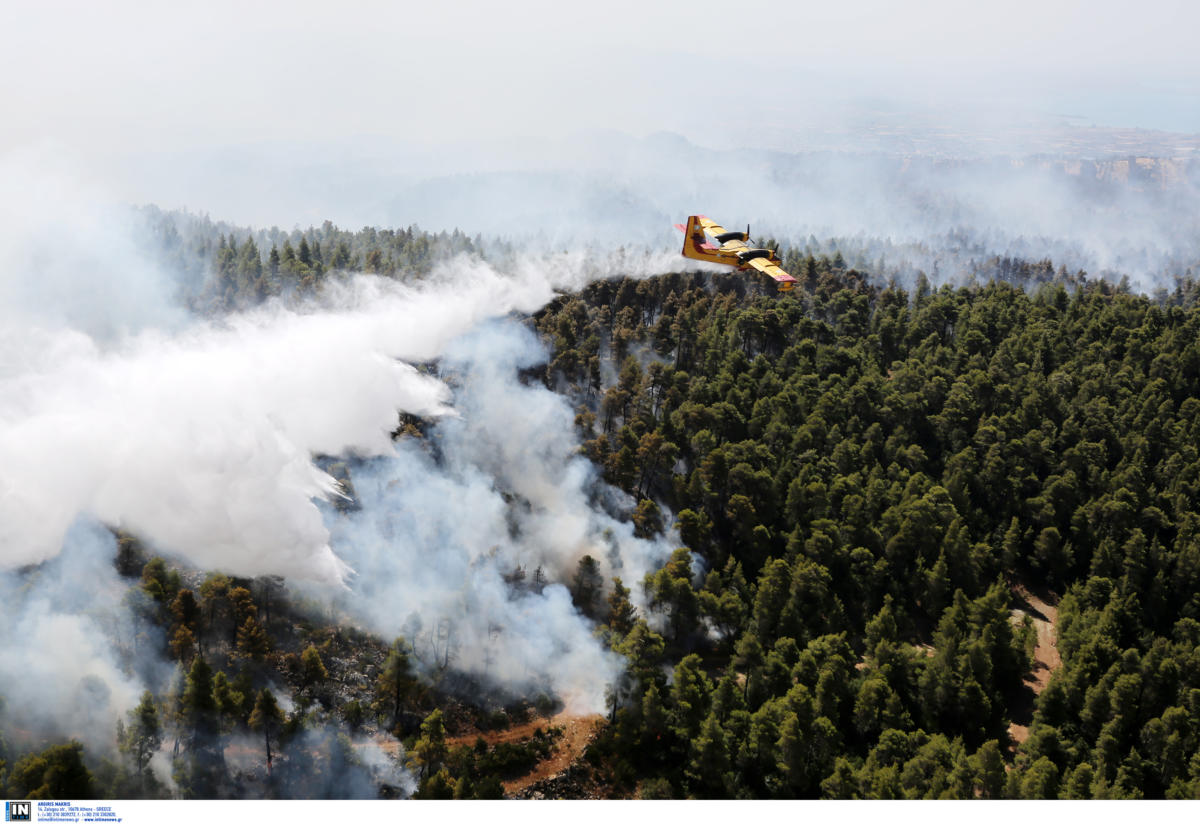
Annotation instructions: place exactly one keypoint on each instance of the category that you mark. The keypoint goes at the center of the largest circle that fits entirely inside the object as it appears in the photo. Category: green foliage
(862, 474)
(229, 702)
(394, 684)
(143, 736)
(429, 753)
(312, 668)
(58, 772)
(656, 789)
(159, 583)
(252, 639)
(862, 478)
(197, 704)
(268, 717)
(586, 586)
(621, 612)
(670, 591)
(354, 714)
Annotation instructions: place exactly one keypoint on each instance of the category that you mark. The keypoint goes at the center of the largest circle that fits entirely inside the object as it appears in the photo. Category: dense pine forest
(938, 542)
(872, 479)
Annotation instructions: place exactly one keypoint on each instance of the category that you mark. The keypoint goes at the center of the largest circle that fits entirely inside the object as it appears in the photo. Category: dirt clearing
(578, 731)
(1041, 608)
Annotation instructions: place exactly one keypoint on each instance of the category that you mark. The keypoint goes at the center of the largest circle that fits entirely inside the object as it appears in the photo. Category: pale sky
(146, 72)
(126, 79)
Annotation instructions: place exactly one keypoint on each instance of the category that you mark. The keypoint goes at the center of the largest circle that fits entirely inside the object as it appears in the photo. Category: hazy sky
(141, 73)
(129, 79)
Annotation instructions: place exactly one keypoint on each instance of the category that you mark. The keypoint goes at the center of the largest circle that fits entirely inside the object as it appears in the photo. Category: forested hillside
(891, 509)
(868, 477)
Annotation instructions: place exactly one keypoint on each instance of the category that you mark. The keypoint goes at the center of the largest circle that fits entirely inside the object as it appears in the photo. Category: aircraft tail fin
(695, 242)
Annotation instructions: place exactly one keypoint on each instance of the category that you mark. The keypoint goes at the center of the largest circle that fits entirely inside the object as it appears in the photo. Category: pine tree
(709, 765)
(143, 736)
(988, 765)
(690, 692)
(267, 717)
(749, 657)
(430, 751)
(183, 643)
(201, 723)
(312, 668)
(197, 705)
(395, 682)
(252, 640)
(621, 613)
(586, 586)
(227, 700)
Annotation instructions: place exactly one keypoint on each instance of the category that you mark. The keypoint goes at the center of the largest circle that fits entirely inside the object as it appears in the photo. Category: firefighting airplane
(731, 250)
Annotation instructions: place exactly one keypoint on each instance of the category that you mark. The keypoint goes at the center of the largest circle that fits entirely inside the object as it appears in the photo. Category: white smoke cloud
(201, 443)
(63, 622)
(385, 768)
(67, 258)
(435, 539)
(199, 436)
(200, 440)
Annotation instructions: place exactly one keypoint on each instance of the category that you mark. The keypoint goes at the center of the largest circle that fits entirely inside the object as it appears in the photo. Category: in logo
(18, 810)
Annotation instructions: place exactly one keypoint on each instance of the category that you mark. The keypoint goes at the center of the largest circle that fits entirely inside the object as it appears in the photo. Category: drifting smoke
(199, 437)
(435, 539)
(1107, 202)
(68, 259)
(74, 660)
(201, 441)
(323, 763)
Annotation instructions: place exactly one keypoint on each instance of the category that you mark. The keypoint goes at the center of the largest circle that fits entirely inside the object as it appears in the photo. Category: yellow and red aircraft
(731, 249)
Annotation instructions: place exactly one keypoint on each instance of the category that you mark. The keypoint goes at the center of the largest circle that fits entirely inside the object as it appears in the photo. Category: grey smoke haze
(67, 257)
(383, 112)
(70, 645)
(434, 539)
(199, 436)
(323, 763)
(200, 439)
(1112, 214)
(542, 121)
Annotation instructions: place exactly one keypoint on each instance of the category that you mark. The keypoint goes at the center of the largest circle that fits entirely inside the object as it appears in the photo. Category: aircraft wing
(714, 230)
(785, 281)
